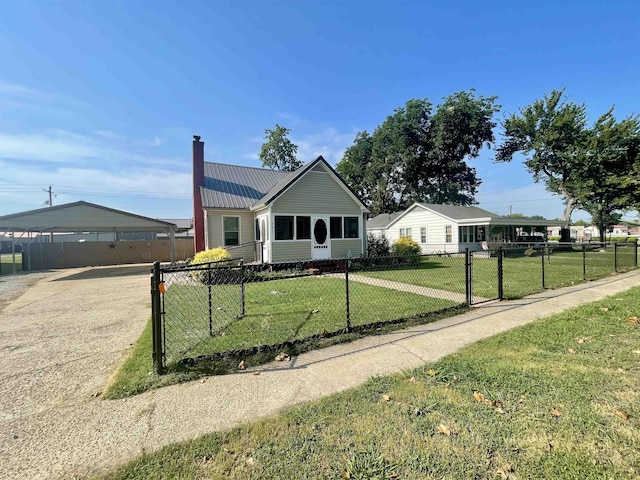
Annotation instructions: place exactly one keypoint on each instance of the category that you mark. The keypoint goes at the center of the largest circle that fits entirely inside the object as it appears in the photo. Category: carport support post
(156, 319)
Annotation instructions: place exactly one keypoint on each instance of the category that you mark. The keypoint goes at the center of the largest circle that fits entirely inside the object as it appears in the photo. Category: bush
(212, 255)
(377, 246)
(406, 247)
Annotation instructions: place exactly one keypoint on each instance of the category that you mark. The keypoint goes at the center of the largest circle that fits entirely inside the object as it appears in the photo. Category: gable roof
(82, 216)
(231, 186)
(382, 220)
(473, 215)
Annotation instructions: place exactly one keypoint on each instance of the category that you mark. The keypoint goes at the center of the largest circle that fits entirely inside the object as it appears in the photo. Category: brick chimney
(198, 181)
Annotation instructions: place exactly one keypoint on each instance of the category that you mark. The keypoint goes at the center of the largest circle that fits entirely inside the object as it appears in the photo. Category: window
(466, 234)
(231, 227)
(284, 227)
(481, 233)
(257, 227)
(448, 233)
(336, 227)
(303, 228)
(405, 232)
(351, 227)
(423, 234)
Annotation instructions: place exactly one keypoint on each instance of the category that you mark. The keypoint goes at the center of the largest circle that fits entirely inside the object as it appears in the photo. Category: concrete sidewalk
(83, 434)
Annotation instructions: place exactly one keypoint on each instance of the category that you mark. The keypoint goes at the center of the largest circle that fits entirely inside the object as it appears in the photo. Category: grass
(522, 274)
(557, 398)
(6, 263)
(278, 312)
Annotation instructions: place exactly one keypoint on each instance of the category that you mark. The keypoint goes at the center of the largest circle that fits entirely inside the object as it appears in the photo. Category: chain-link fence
(206, 311)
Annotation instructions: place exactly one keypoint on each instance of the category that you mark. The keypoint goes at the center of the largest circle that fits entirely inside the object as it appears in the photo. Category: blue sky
(101, 99)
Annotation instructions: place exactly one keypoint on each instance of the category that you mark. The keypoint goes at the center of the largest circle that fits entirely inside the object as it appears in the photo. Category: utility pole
(50, 192)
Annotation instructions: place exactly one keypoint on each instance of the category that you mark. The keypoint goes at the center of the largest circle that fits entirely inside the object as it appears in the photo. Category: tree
(610, 178)
(551, 134)
(419, 155)
(278, 152)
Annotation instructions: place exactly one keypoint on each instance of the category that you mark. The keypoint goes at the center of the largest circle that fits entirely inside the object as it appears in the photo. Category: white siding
(435, 225)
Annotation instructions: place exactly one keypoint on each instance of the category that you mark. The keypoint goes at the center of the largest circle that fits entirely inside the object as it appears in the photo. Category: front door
(320, 241)
(264, 236)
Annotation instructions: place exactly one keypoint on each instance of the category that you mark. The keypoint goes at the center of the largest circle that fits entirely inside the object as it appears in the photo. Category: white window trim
(445, 234)
(425, 235)
(224, 242)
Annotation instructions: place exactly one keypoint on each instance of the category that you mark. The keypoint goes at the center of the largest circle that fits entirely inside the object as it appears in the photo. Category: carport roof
(81, 217)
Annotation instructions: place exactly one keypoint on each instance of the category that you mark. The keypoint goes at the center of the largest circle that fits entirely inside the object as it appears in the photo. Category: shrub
(377, 246)
(404, 246)
(218, 254)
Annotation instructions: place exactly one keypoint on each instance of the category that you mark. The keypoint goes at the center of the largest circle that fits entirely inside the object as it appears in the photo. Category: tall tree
(278, 152)
(610, 174)
(551, 134)
(419, 155)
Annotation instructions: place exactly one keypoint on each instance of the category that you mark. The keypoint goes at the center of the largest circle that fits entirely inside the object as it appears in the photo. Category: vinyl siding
(316, 193)
(214, 234)
(351, 247)
(285, 251)
(435, 231)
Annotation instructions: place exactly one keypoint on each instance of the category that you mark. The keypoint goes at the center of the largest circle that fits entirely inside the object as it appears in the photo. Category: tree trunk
(570, 206)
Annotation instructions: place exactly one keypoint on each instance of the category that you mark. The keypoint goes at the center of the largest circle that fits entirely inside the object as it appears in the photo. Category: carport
(81, 217)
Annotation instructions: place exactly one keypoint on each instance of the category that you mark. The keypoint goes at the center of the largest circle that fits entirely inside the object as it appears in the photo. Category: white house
(274, 216)
(454, 228)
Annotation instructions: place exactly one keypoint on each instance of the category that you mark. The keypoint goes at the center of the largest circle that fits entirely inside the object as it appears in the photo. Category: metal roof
(459, 212)
(81, 217)
(233, 186)
(180, 223)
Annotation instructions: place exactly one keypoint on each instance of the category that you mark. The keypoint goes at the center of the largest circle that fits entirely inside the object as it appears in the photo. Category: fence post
(242, 288)
(346, 282)
(635, 254)
(156, 319)
(468, 276)
(615, 256)
(209, 280)
(584, 262)
(542, 257)
(500, 275)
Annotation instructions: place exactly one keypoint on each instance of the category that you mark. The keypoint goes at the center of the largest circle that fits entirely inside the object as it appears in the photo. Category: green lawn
(522, 274)
(556, 399)
(277, 312)
(6, 263)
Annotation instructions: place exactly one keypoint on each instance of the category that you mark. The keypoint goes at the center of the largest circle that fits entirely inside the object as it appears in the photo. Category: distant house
(454, 228)
(272, 216)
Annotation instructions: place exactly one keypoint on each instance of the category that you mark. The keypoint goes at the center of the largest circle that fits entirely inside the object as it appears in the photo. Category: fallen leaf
(385, 398)
(622, 415)
(249, 461)
(345, 475)
(604, 309)
(241, 365)
(504, 470)
(632, 320)
(315, 310)
(491, 403)
(571, 351)
(257, 372)
(636, 351)
(431, 373)
(443, 429)
(500, 411)
(282, 357)
(478, 396)
(412, 379)
(202, 381)
(556, 413)
(581, 341)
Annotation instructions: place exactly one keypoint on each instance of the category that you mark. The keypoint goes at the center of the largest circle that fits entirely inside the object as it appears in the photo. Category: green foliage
(418, 154)
(278, 152)
(405, 247)
(377, 246)
(370, 464)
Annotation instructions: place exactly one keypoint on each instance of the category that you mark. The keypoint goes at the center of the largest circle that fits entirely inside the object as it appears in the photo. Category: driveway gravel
(63, 336)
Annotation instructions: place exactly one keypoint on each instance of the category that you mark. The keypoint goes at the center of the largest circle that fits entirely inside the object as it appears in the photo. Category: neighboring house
(454, 228)
(273, 216)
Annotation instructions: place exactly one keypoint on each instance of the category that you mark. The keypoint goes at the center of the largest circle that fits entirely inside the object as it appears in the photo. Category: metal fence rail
(208, 311)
